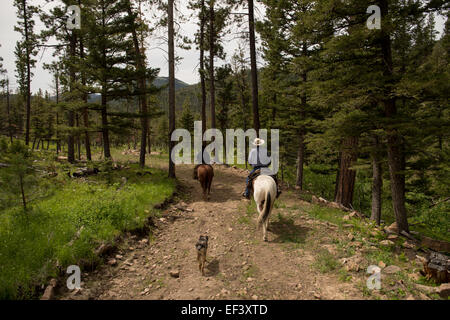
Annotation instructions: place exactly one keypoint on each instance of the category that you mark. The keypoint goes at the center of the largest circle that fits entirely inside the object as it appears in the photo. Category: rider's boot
(246, 195)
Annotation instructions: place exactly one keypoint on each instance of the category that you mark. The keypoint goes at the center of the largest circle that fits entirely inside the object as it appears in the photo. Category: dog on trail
(202, 248)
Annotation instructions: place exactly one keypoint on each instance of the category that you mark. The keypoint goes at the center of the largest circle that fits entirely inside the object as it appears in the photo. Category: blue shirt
(259, 157)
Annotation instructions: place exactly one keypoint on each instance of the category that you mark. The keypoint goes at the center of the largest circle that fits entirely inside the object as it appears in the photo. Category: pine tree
(254, 68)
(199, 5)
(290, 41)
(18, 175)
(140, 79)
(171, 51)
(26, 49)
(4, 83)
(225, 95)
(187, 118)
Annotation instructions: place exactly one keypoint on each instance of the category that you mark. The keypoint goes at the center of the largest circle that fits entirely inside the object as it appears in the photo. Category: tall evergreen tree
(171, 52)
(26, 49)
(254, 67)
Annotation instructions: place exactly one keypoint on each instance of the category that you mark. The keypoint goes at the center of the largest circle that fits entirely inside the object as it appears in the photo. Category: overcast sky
(186, 70)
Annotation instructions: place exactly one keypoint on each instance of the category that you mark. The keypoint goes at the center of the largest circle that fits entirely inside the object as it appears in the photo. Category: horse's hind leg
(265, 230)
(261, 206)
(205, 192)
(266, 226)
(209, 187)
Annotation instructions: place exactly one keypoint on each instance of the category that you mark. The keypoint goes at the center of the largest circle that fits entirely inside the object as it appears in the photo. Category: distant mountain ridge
(161, 81)
(158, 82)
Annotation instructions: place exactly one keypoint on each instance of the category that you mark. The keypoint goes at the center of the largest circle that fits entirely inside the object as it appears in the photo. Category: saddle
(256, 174)
(195, 176)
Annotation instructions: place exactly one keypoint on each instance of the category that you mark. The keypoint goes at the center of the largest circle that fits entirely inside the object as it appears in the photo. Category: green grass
(326, 214)
(99, 208)
(384, 254)
(250, 272)
(325, 261)
(432, 221)
(344, 276)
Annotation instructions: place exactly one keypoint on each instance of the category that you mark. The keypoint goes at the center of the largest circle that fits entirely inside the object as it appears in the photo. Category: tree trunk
(144, 123)
(241, 86)
(396, 158)
(78, 137)
(71, 113)
(254, 67)
(346, 177)
(396, 162)
(105, 130)
(202, 65)
(87, 141)
(301, 142)
(149, 139)
(171, 46)
(70, 139)
(24, 202)
(377, 184)
(300, 160)
(58, 143)
(140, 68)
(8, 109)
(212, 94)
(28, 63)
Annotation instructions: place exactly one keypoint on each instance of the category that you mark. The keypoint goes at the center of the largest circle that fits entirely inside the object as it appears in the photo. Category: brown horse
(205, 175)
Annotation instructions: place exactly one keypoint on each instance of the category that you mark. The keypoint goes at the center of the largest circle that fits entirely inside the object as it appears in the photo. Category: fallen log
(84, 172)
(436, 245)
(407, 235)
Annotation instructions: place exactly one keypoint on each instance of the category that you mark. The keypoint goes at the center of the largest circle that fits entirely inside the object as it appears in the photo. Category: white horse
(265, 193)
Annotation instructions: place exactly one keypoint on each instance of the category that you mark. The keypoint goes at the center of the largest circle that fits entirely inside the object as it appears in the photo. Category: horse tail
(264, 215)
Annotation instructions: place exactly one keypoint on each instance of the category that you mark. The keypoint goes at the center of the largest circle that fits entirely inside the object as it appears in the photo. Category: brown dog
(202, 248)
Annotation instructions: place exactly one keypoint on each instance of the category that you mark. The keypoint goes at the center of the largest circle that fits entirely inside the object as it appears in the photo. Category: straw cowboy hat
(258, 142)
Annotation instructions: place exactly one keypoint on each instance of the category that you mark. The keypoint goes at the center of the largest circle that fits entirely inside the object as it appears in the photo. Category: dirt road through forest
(239, 264)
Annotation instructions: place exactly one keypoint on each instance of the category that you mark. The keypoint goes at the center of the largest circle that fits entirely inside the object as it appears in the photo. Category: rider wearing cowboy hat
(258, 158)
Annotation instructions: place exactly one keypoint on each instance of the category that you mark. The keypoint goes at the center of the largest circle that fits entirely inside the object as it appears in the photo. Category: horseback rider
(258, 158)
(201, 159)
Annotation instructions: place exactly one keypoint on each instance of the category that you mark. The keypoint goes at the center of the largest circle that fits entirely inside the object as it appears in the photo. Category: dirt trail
(239, 264)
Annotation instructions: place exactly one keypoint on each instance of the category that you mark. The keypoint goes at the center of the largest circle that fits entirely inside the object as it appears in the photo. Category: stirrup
(246, 196)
